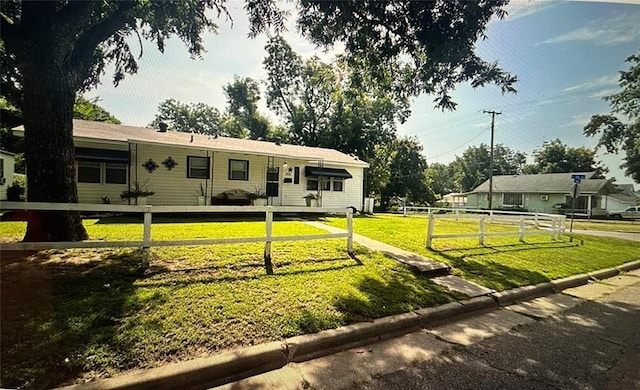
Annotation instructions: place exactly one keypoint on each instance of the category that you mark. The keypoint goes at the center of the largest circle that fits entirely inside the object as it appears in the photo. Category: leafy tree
(406, 166)
(428, 45)
(195, 117)
(242, 115)
(439, 178)
(472, 168)
(554, 157)
(62, 47)
(89, 110)
(620, 130)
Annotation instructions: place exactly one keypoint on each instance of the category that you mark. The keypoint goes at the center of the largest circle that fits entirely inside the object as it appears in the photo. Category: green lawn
(503, 262)
(608, 225)
(75, 315)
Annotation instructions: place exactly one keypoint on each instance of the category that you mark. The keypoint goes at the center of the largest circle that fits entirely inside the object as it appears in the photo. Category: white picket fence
(551, 224)
(147, 242)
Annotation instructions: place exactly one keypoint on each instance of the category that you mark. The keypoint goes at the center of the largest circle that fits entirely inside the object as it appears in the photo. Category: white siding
(9, 168)
(94, 192)
(173, 187)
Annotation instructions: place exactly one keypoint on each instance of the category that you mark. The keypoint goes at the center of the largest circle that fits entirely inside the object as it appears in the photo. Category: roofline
(357, 164)
(7, 152)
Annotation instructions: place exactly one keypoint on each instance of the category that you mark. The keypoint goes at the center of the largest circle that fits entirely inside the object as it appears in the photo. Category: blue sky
(567, 55)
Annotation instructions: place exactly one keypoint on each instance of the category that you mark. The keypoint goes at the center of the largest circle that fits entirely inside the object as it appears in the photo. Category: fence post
(482, 219)
(536, 221)
(554, 222)
(350, 231)
(404, 210)
(430, 224)
(267, 245)
(521, 236)
(457, 214)
(146, 237)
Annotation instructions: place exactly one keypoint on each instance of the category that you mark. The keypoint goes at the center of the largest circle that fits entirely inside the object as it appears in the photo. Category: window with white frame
(102, 172)
(197, 167)
(89, 172)
(115, 173)
(238, 169)
(513, 199)
(325, 183)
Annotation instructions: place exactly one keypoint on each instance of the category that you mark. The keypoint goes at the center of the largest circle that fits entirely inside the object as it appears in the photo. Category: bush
(15, 192)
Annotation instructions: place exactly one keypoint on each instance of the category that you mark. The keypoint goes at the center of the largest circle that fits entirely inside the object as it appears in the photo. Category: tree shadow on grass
(60, 316)
(483, 250)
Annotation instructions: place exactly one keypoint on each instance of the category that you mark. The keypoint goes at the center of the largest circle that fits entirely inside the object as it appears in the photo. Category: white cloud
(622, 28)
(579, 120)
(599, 82)
(520, 8)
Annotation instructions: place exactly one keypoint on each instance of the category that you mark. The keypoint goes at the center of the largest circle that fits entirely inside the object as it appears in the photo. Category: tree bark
(49, 94)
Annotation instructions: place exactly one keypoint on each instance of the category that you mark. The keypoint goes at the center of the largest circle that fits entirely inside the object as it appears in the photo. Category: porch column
(589, 206)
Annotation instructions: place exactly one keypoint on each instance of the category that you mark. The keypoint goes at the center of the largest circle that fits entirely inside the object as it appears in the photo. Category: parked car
(632, 212)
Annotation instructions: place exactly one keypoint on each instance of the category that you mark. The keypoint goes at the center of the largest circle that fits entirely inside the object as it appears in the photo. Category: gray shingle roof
(543, 183)
(111, 132)
(626, 193)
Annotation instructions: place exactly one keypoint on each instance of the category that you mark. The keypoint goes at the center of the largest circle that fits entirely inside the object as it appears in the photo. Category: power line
(459, 146)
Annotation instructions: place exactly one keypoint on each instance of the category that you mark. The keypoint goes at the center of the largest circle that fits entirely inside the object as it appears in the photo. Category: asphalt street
(594, 345)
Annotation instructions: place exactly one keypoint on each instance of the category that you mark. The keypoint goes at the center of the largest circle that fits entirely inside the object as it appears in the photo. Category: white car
(632, 212)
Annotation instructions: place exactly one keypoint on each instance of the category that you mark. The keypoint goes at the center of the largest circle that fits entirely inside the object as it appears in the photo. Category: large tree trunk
(49, 96)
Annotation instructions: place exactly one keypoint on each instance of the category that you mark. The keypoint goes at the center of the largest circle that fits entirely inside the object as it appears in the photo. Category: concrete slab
(361, 364)
(546, 306)
(475, 329)
(633, 273)
(457, 284)
(285, 378)
(590, 291)
(621, 280)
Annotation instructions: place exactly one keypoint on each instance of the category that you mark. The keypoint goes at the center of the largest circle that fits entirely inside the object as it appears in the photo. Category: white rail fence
(147, 242)
(553, 224)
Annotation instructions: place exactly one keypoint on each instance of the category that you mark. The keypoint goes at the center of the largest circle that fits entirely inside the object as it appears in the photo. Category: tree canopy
(620, 129)
(242, 117)
(556, 157)
(194, 117)
(90, 110)
(472, 168)
(60, 48)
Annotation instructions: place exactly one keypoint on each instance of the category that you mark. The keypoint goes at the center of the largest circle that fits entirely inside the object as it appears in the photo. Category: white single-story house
(543, 192)
(7, 168)
(620, 200)
(177, 166)
(454, 199)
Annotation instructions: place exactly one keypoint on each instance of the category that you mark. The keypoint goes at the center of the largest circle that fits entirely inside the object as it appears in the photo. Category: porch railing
(147, 242)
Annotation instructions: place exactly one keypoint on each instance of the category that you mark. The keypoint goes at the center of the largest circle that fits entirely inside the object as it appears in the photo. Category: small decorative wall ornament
(150, 165)
(169, 163)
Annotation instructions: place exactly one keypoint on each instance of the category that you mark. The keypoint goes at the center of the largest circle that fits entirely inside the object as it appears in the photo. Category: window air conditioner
(544, 197)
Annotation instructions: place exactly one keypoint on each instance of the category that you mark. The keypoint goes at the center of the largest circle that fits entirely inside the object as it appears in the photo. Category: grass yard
(503, 262)
(608, 225)
(75, 315)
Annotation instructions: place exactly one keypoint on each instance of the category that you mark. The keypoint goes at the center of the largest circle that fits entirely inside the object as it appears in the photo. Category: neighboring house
(545, 193)
(7, 167)
(624, 197)
(454, 199)
(112, 158)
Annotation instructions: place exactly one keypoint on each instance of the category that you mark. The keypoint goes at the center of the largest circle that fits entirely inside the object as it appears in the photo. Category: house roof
(107, 132)
(7, 153)
(625, 194)
(544, 183)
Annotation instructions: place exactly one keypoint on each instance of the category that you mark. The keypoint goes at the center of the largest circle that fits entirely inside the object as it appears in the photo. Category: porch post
(589, 206)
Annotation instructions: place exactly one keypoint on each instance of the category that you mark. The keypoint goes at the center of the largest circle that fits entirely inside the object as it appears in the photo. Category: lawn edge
(243, 363)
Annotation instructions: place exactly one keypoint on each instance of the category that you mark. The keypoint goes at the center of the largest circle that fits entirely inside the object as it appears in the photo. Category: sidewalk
(585, 337)
(428, 267)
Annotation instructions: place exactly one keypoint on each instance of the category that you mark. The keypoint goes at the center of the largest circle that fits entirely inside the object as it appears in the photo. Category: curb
(235, 365)
(506, 298)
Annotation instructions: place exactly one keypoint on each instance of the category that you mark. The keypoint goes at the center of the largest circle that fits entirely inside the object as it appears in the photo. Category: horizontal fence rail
(553, 224)
(147, 243)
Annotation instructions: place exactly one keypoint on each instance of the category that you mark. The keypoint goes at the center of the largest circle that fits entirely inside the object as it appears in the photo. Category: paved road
(586, 338)
(595, 345)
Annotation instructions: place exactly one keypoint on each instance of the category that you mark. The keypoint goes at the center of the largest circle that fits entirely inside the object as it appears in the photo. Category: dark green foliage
(620, 130)
(89, 110)
(197, 117)
(472, 168)
(556, 157)
(15, 192)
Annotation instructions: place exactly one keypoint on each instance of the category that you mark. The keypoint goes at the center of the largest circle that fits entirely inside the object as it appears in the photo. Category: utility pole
(493, 120)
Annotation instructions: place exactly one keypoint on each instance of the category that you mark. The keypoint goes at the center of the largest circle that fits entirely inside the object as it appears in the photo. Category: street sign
(578, 178)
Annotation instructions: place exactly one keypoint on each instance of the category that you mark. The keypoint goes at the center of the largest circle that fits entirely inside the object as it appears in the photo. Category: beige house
(7, 168)
(176, 166)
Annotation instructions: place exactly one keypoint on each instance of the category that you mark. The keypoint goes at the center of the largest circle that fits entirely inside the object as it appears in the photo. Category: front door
(273, 185)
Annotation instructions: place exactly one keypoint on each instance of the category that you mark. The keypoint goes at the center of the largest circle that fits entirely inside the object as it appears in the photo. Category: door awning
(102, 155)
(326, 172)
